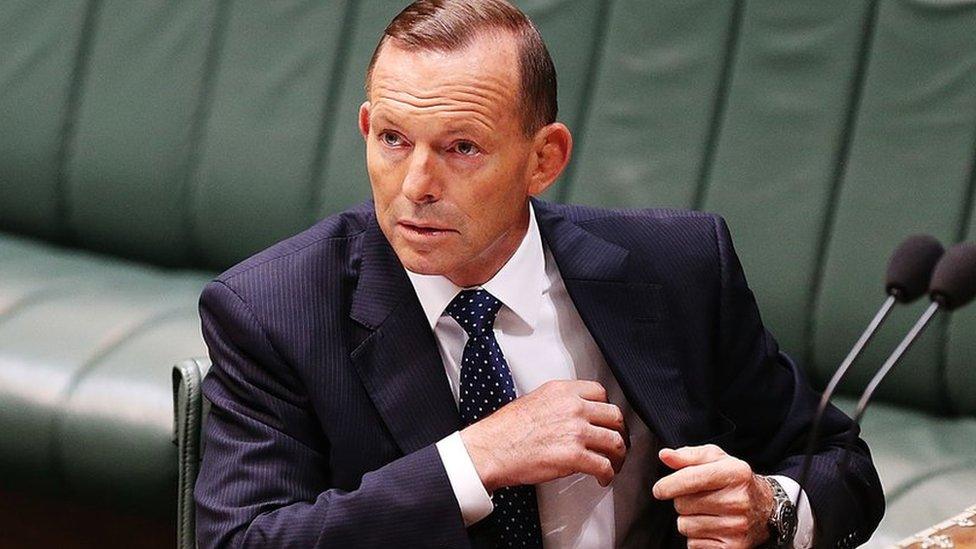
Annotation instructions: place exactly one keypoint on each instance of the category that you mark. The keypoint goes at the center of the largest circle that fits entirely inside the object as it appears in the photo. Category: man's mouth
(418, 229)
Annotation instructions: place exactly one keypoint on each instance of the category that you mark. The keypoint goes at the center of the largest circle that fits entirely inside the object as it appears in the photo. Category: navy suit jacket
(328, 393)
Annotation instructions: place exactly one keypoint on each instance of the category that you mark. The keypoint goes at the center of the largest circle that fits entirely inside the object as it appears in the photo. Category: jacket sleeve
(772, 406)
(264, 479)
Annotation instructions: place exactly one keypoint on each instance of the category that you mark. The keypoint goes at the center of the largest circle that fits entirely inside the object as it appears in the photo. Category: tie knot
(475, 311)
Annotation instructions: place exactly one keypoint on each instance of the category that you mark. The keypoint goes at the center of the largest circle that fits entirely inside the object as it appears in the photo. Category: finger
(604, 415)
(692, 480)
(691, 455)
(609, 416)
(716, 502)
(591, 390)
(608, 442)
(709, 526)
(594, 464)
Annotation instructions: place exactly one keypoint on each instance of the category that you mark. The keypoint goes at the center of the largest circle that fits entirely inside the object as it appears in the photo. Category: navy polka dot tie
(486, 385)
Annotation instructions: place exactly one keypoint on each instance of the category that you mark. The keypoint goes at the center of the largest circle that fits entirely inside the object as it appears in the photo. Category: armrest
(189, 410)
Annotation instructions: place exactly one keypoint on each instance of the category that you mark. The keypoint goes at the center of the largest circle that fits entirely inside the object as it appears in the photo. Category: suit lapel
(629, 322)
(398, 360)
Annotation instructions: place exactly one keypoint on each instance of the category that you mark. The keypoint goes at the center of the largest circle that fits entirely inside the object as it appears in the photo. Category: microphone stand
(896, 355)
(862, 342)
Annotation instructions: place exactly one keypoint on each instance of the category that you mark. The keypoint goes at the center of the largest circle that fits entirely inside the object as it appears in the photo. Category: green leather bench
(145, 146)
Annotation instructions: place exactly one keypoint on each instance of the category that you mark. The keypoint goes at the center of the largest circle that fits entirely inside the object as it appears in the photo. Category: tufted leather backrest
(825, 132)
(194, 134)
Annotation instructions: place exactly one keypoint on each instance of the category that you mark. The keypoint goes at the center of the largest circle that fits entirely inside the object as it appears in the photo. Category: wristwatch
(782, 522)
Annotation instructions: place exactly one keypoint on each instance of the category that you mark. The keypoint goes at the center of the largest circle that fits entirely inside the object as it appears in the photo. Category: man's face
(449, 164)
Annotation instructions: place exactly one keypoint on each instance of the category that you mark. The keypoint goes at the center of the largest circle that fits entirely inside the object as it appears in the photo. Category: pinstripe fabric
(328, 391)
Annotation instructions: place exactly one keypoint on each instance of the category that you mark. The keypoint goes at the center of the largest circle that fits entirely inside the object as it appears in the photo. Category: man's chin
(420, 263)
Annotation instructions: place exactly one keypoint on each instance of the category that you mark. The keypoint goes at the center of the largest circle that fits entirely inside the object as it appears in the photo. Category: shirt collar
(519, 284)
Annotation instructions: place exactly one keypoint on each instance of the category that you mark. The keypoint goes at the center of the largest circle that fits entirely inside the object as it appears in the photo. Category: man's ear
(364, 119)
(552, 147)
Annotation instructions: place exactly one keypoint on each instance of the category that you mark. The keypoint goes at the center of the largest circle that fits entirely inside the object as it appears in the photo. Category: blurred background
(147, 145)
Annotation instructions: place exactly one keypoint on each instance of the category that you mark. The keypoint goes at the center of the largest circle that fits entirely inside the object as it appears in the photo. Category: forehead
(479, 81)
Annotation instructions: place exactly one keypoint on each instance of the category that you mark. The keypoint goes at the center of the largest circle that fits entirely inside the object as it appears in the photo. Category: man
(457, 363)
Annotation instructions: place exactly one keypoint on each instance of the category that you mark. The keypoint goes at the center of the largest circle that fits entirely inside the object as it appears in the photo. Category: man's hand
(719, 500)
(561, 428)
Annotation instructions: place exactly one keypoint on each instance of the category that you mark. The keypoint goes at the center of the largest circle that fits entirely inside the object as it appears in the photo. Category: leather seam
(846, 139)
(584, 109)
(719, 105)
(38, 296)
(198, 131)
(55, 446)
(330, 106)
(72, 108)
(945, 327)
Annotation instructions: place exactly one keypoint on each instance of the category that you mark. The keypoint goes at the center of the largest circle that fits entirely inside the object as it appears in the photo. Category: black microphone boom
(907, 279)
(953, 286)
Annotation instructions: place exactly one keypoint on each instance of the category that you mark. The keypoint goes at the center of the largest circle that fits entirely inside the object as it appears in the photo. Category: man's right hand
(561, 428)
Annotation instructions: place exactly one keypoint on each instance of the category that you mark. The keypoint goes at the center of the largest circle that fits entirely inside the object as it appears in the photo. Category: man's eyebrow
(382, 118)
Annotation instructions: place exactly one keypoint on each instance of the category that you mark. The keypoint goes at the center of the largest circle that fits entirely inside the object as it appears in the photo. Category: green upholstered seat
(960, 371)
(774, 166)
(649, 117)
(85, 342)
(909, 169)
(146, 145)
(272, 105)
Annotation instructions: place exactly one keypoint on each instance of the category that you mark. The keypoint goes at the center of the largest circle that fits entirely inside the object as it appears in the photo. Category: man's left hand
(719, 500)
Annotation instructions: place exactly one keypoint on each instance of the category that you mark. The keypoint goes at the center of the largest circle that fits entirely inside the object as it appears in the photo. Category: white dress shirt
(543, 338)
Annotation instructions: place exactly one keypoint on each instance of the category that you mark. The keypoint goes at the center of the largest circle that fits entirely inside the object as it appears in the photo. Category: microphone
(906, 279)
(953, 286)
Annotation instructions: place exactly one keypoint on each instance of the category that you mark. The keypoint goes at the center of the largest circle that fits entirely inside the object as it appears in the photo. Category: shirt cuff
(804, 520)
(472, 498)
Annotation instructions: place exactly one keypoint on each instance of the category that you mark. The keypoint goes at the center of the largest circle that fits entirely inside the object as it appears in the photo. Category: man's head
(460, 130)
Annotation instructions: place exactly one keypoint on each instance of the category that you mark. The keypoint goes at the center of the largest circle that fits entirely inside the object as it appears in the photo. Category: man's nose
(421, 183)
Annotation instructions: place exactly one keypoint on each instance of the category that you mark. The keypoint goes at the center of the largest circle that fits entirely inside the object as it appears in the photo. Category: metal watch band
(782, 521)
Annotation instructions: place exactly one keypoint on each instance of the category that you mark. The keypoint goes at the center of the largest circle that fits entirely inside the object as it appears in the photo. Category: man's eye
(391, 139)
(467, 148)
